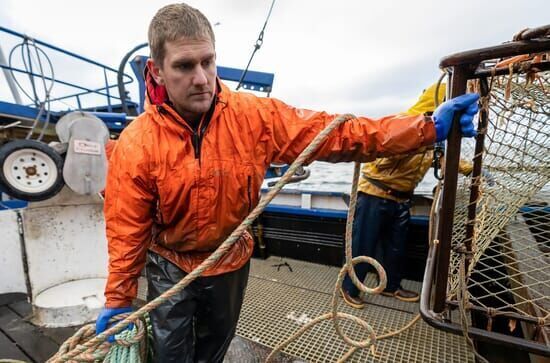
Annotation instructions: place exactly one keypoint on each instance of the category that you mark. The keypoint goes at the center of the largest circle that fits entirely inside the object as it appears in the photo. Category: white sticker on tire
(87, 147)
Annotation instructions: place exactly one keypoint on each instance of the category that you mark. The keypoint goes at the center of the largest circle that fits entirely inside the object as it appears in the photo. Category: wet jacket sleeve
(129, 201)
(362, 139)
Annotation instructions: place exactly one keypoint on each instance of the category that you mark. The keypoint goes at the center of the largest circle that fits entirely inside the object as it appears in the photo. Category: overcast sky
(366, 57)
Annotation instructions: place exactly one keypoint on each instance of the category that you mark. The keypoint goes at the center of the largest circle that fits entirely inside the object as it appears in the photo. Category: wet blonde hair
(173, 22)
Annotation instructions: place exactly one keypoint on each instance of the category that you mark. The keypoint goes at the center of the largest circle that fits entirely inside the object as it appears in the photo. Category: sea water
(337, 177)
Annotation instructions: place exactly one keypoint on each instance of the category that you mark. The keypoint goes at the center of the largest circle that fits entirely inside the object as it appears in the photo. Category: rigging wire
(257, 46)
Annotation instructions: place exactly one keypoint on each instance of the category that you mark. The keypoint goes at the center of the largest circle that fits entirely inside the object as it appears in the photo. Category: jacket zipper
(196, 139)
(199, 134)
(160, 218)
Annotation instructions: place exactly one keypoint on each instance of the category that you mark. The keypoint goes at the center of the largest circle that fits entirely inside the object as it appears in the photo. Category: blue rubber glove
(105, 315)
(443, 115)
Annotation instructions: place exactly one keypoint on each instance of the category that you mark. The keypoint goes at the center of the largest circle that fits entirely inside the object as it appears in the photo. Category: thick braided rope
(335, 315)
(131, 344)
(94, 343)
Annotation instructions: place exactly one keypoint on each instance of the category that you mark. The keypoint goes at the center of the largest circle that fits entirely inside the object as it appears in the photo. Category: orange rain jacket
(180, 193)
(404, 172)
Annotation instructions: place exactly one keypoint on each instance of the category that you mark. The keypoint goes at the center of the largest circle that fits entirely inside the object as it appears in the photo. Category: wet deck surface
(283, 294)
(21, 340)
(278, 301)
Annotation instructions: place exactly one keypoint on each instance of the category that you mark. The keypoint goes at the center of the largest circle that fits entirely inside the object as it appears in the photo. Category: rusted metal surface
(452, 157)
(532, 33)
(476, 172)
(505, 50)
(491, 71)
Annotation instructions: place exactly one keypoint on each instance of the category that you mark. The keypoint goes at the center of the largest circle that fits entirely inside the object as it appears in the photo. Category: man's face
(189, 74)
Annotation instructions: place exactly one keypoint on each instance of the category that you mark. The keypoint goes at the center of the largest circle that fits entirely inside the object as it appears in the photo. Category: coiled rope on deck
(84, 347)
(334, 314)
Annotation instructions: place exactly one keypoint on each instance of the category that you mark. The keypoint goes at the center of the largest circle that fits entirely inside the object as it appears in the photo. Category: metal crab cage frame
(453, 238)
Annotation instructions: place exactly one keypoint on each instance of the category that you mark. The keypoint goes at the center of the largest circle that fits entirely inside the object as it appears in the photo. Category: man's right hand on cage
(444, 114)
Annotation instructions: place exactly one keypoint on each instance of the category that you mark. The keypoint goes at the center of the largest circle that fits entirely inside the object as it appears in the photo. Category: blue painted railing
(105, 92)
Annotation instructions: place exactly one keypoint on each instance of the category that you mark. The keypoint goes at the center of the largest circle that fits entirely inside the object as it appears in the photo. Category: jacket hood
(156, 93)
(426, 101)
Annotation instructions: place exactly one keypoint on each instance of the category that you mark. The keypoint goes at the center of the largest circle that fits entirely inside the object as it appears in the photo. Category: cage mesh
(509, 270)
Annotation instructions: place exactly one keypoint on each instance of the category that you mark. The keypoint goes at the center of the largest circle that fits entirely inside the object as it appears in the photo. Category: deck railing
(35, 67)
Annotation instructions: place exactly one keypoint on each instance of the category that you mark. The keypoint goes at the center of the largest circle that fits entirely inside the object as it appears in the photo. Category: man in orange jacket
(188, 170)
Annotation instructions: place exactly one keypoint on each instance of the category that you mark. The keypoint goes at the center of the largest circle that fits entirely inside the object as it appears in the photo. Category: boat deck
(20, 340)
(282, 295)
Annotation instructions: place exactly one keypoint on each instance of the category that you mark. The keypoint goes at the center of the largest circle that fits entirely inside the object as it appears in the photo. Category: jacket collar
(156, 93)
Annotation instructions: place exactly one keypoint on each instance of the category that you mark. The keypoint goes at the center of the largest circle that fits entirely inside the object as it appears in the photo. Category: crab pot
(66, 258)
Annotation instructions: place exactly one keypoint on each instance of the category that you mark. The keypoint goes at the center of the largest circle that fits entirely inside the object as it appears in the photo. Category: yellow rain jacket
(403, 172)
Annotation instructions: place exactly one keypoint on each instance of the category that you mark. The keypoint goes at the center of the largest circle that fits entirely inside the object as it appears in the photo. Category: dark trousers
(379, 223)
(198, 323)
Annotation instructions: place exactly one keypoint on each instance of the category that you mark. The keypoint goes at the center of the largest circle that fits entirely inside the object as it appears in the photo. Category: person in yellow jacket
(382, 214)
